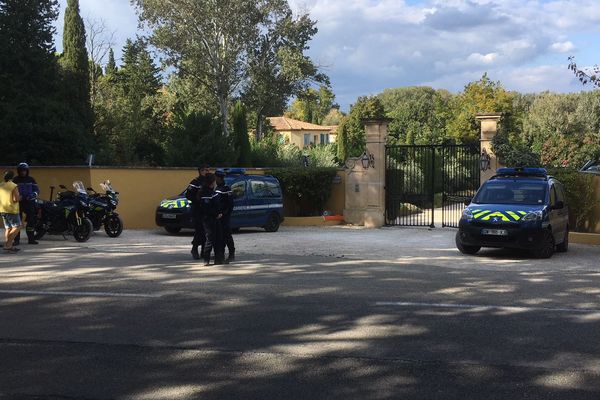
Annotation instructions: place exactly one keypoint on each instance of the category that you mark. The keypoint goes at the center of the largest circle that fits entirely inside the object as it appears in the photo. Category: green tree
(481, 96)
(313, 105)
(419, 114)
(197, 138)
(132, 109)
(278, 66)
(35, 123)
(111, 65)
(206, 41)
(74, 61)
(241, 142)
(564, 128)
(351, 132)
(333, 118)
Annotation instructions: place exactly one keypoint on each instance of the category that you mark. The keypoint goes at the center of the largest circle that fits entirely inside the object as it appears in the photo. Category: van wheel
(272, 223)
(172, 230)
(564, 246)
(465, 249)
(548, 246)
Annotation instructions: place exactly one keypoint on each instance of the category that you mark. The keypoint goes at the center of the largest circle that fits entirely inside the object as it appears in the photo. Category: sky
(366, 46)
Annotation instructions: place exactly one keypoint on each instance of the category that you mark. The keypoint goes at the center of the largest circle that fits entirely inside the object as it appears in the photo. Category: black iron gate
(427, 185)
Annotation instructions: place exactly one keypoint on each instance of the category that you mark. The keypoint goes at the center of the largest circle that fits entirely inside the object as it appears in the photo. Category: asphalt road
(304, 314)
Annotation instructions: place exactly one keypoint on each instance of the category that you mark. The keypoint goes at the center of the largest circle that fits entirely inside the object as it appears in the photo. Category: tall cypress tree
(240, 132)
(76, 66)
(28, 81)
(111, 66)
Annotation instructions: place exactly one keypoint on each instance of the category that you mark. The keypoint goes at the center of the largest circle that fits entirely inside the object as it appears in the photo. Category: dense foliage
(580, 196)
(308, 188)
(37, 124)
(139, 114)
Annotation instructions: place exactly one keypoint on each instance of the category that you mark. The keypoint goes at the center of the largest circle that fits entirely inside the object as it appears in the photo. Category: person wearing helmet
(29, 190)
(226, 198)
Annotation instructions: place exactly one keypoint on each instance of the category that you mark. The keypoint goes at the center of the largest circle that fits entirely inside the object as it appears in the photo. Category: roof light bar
(526, 171)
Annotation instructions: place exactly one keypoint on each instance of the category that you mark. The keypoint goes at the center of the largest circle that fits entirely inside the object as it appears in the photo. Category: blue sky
(366, 46)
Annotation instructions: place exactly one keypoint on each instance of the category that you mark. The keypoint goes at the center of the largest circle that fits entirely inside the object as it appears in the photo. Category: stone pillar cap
(371, 121)
(493, 116)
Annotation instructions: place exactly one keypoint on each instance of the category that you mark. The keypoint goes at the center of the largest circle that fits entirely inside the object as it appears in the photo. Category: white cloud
(563, 47)
(448, 43)
(368, 45)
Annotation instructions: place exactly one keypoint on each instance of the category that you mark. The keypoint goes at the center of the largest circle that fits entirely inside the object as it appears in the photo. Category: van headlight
(534, 216)
(468, 214)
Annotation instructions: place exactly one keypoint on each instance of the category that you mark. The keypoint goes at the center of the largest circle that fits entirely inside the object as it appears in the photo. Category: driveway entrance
(425, 184)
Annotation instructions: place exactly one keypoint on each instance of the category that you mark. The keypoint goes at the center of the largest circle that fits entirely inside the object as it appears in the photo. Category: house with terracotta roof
(302, 134)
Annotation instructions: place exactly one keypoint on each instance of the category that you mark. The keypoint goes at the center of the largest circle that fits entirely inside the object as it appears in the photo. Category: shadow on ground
(294, 327)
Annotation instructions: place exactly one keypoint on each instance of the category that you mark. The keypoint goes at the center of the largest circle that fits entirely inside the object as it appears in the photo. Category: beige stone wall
(142, 189)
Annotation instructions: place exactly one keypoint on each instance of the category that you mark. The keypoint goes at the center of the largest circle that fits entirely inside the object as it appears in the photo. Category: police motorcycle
(66, 215)
(102, 210)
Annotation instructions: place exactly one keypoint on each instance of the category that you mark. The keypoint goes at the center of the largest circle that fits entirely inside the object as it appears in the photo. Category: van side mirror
(468, 201)
(559, 205)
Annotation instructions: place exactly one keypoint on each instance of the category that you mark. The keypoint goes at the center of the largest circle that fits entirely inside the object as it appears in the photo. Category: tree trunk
(259, 125)
(224, 115)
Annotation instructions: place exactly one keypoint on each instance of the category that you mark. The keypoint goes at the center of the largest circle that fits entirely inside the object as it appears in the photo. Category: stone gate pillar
(365, 187)
(489, 129)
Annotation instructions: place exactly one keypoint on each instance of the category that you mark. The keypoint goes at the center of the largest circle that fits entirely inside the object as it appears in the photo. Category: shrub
(308, 188)
(580, 195)
(323, 156)
(263, 153)
(289, 155)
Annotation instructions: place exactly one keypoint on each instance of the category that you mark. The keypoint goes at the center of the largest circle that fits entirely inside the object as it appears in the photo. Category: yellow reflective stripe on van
(515, 216)
(496, 214)
(480, 214)
(174, 203)
(523, 213)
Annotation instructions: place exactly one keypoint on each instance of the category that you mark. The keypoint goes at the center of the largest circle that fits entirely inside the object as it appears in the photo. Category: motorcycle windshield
(107, 186)
(79, 187)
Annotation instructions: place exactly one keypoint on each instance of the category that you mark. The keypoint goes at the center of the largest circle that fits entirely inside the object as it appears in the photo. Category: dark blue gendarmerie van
(258, 203)
(520, 208)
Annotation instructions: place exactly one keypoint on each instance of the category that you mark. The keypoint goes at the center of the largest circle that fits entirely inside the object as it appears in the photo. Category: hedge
(309, 188)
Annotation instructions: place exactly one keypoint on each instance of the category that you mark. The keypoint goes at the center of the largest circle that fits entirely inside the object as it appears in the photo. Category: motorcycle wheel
(83, 232)
(113, 226)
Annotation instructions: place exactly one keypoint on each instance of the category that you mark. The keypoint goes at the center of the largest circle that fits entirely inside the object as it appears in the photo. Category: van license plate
(494, 232)
(169, 216)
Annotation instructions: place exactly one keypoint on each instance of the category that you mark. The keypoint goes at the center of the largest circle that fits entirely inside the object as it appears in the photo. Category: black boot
(195, 253)
(231, 257)
(31, 237)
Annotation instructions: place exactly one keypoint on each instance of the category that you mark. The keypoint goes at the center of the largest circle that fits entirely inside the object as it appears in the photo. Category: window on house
(306, 140)
(324, 138)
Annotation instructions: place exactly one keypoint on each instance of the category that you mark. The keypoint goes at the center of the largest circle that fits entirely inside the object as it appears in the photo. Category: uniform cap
(23, 166)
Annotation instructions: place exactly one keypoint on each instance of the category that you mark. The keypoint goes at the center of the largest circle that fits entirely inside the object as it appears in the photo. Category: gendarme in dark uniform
(226, 198)
(212, 212)
(194, 194)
